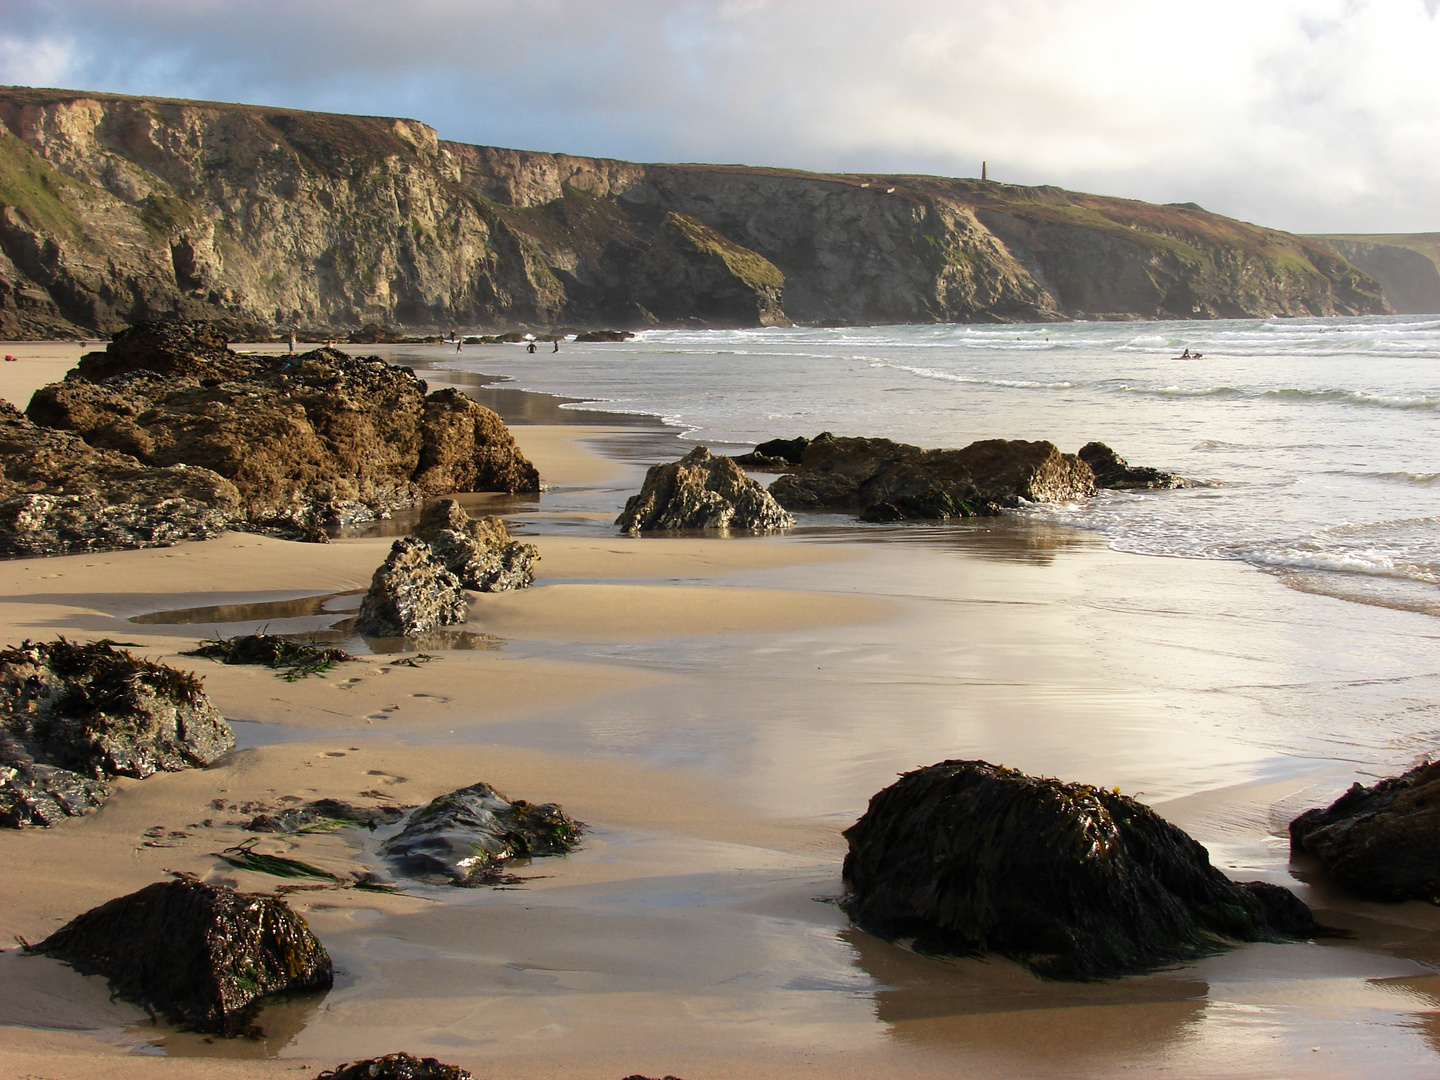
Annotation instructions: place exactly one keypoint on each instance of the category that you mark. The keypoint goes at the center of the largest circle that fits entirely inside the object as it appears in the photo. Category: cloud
(1313, 115)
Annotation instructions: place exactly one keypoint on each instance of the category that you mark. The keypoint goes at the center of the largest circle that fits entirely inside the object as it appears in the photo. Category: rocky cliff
(114, 209)
(1406, 266)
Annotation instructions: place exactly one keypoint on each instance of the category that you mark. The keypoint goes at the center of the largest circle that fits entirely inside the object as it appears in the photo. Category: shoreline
(718, 709)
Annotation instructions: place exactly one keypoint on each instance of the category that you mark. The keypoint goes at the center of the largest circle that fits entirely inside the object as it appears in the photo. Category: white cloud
(1306, 114)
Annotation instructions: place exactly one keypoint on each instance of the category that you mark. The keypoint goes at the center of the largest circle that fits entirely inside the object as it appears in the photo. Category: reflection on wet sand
(277, 1025)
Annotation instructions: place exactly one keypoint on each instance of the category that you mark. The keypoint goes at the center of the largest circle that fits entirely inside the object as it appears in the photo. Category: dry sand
(717, 710)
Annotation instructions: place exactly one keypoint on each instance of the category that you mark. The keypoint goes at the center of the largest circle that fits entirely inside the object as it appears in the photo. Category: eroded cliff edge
(115, 209)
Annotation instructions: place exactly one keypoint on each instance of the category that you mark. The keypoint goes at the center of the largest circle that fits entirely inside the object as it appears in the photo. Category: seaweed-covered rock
(904, 481)
(292, 660)
(1381, 842)
(395, 1067)
(1073, 881)
(481, 553)
(1112, 471)
(412, 592)
(323, 812)
(59, 494)
(701, 491)
(73, 714)
(463, 838)
(315, 437)
(200, 955)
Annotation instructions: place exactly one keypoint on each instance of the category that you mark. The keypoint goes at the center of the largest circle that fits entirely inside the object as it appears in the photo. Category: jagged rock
(1381, 842)
(701, 491)
(1111, 470)
(1073, 881)
(901, 481)
(463, 838)
(775, 454)
(58, 494)
(73, 714)
(480, 552)
(200, 955)
(603, 335)
(395, 1067)
(412, 592)
(323, 812)
(310, 439)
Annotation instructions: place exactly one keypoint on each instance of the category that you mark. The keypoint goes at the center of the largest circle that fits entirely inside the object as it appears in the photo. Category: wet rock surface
(60, 494)
(73, 715)
(412, 592)
(322, 812)
(1112, 471)
(318, 438)
(480, 552)
(1073, 881)
(889, 481)
(776, 454)
(701, 491)
(467, 836)
(1380, 842)
(197, 954)
(395, 1067)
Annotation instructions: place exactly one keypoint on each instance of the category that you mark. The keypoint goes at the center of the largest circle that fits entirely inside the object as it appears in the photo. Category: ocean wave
(971, 380)
(1182, 391)
(1416, 479)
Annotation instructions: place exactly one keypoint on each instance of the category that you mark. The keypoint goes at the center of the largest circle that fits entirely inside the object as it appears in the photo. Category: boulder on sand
(73, 715)
(1112, 471)
(200, 955)
(701, 491)
(1380, 842)
(1073, 881)
(412, 592)
(480, 552)
(464, 838)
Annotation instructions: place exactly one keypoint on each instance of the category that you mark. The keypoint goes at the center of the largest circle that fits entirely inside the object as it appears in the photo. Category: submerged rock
(890, 481)
(60, 494)
(72, 715)
(603, 335)
(1381, 842)
(1073, 881)
(465, 837)
(411, 592)
(480, 552)
(395, 1067)
(200, 955)
(701, 491)
(308, 439)
(1112, 471)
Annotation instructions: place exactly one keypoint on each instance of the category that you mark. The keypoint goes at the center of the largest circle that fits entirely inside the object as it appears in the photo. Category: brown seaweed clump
(198, 954)
(1072, 881)
(396, 1067)
(291, 660)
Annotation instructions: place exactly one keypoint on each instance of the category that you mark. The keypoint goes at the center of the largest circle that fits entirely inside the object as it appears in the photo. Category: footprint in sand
(438, 698)
(387, 778)
(333, 753)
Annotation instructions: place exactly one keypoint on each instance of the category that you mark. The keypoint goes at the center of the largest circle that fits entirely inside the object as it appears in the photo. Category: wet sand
(717, 710)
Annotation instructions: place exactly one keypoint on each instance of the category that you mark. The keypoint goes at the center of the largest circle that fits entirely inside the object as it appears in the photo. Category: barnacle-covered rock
(479, 551)
(411, 592)
(701, 491)
(395, 1067)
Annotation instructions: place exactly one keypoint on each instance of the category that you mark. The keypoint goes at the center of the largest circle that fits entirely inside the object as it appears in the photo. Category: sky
(1305, 115)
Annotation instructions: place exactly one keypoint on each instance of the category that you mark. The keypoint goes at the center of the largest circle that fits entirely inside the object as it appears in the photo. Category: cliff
(1406, 266)
(115, 209)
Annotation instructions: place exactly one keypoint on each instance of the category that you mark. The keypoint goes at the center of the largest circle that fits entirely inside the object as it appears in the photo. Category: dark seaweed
(291, 660)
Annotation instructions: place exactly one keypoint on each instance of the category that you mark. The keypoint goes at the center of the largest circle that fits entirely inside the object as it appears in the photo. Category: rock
(60, 494)
(774, 454)
(465, 837)
(395, 1067)
(1381, 842)
(200, 955)
(902, 481)
(701, 491)
(1073, 881)
(479, 552)
(412, 592)
(306, 440)
(1111, 471)
(603, 335)
(293, 819)
(72, 715)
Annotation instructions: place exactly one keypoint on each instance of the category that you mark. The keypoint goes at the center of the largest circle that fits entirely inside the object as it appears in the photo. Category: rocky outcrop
(1111, 471)
(1381, 842)
(479, 551)
(1406, 266)
(60, 494)
(701, 491)
(73, 715)
(396, 1067)
(313, 439)
(421, 585)
(120, 208)
(1073, 881)
(777, 454)
(466, 837)
(199, 955)
(890, 481)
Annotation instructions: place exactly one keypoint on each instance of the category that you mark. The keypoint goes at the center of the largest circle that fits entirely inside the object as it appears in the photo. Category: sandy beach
(717, 710)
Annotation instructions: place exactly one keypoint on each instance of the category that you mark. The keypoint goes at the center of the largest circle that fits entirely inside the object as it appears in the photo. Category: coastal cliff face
(115, 209)
(1406, 265)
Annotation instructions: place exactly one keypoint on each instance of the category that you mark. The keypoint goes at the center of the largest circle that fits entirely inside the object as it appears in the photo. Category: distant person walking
(557, 345)
(530, 348)
(458, 343)
(292, 341)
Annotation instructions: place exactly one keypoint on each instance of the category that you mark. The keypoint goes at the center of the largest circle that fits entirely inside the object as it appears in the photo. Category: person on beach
(1185, 355)
(557, 345)
(530, 348)
(458, 343)
(292, 341)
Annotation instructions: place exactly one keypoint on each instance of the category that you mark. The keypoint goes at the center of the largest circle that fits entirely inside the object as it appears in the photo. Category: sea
(1312, 446)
